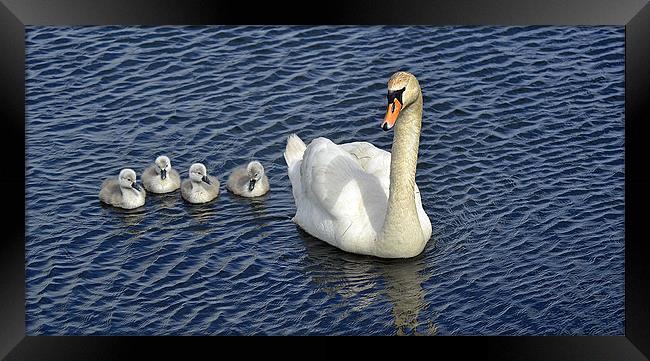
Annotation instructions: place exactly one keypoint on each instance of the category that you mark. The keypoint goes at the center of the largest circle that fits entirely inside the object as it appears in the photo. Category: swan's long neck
(402, 232)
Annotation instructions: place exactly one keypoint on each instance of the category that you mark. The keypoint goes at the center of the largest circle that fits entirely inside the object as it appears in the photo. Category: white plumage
(342, 191)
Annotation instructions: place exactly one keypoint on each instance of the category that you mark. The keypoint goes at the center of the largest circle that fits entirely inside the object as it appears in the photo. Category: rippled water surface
(520, 169)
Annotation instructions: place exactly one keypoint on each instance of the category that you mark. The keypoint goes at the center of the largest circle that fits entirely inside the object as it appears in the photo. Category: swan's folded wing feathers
(334, 183)
(330, 177)
(373, 160)
(363, 152)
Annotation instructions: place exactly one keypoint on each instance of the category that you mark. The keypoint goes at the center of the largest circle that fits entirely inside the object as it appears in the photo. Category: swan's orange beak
(391, 114)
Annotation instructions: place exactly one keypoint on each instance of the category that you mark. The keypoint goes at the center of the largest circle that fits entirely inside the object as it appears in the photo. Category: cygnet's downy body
(160, 177)
(123, 191)
(200, 187)
(249, 180)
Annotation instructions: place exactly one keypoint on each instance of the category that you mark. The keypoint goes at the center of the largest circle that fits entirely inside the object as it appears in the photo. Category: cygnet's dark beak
(251, 185)
(136, 186)
(163, 173)
(206, 179)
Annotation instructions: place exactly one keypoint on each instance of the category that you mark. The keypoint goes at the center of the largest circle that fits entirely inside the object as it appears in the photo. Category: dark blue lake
(520, 170)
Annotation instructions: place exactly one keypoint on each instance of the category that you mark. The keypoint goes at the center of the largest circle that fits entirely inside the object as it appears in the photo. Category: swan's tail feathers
(295, 150)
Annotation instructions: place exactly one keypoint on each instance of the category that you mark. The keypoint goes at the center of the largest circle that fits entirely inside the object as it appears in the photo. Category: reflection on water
(257, 204)
(202, 213)
(130, 218)
(166, 201)
(404, 279)
(350, 275)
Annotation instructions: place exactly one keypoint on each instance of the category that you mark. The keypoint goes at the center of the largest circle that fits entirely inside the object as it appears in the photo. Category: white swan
(249, 180)
(123, 191)
(200, 187)
(358, 197)
(160, 177)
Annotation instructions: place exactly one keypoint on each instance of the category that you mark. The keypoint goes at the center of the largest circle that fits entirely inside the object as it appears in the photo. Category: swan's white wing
(376, 162)
(373, 160)
(341, 192)
(330, 178)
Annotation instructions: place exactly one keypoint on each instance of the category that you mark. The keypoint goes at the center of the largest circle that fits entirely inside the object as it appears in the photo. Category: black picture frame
(633, 14)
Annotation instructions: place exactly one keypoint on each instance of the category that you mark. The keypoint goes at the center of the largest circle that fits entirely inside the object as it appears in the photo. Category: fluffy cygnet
(123, 191)
(249, 180)
(200, 187)
(160, 177)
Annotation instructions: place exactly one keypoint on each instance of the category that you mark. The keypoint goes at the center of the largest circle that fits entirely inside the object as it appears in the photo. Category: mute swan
(248, 181)
(358, 197)
(123, 191)
(160, 177)
(200, 187)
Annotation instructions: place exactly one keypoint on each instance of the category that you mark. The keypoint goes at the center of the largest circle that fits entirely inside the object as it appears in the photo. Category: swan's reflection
(348, 275)
(404, 280)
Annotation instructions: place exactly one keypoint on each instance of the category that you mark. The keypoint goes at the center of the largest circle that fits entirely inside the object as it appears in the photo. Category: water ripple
(520, 168)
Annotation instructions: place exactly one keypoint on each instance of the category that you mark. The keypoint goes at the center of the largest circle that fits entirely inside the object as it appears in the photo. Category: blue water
(520, 170)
